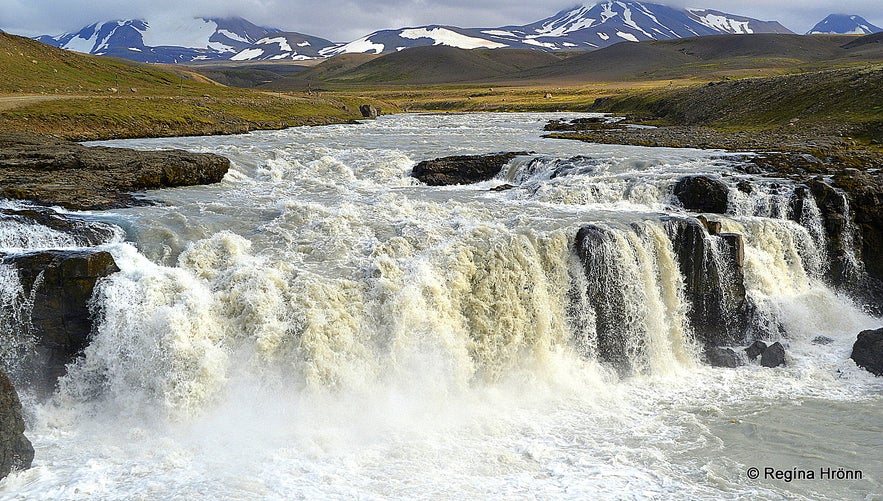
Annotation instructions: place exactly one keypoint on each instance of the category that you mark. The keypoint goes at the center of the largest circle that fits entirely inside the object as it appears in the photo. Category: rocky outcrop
(865, 193)
(713, 286)
(755, 350)
(369, 111)
(81, 232)
(712, 267)
(60, 284)
(16, 452)
(702, 194)
(722, 357)
(773, 355)
(835, 216)
(867, 352)
(462, 169)
(850, 202)
(53, 172)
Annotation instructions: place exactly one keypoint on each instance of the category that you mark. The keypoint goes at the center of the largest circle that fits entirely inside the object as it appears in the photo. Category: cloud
(344, 20)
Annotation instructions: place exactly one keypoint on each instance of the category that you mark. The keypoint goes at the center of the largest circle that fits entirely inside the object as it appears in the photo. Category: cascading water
(319, 325)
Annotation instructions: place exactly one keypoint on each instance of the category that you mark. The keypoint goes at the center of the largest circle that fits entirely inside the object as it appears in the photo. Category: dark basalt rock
(832, 205)
(755, 350)
(722, 357)
(773, 355)
(369, 111)
(462, 169)
(714, 287)
(608, 298)
(865, 193)
(83, 233)
(16, 452)
(703, 194)
(53, 172)
(867, 352)
(851, 207)
(61, 284)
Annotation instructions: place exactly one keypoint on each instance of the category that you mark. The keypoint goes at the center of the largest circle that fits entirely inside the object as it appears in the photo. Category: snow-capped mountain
(185, 40)
(587, 26)
(584, 27)
(844, 25)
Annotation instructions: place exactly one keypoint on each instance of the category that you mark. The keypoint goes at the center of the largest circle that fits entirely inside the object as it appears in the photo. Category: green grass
(850, 95)
(118, 117)
(102, 98)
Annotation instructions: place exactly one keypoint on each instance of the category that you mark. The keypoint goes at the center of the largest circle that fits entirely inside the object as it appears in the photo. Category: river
(320, 325)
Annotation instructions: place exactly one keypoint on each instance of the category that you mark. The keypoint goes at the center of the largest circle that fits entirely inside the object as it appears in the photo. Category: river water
(321, 326)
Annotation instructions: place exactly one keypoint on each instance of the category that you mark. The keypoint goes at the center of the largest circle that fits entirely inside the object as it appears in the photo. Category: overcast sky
(345, 20)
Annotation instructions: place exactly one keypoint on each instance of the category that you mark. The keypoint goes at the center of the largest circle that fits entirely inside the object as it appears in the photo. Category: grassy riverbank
(74, 96)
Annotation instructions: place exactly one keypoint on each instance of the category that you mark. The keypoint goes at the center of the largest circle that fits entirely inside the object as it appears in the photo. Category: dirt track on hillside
(8, 102)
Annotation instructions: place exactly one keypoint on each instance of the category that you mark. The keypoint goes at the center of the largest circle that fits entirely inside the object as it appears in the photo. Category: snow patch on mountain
(724, 23)
(84, 41)
(363, 45)
(500, 33)
(443, 36)
(248, 55)
(192, 33)
(232, 36)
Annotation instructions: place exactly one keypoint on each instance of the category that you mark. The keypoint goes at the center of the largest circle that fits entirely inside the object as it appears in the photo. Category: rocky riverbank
(57, 285)
(54, 172)
(831, 144)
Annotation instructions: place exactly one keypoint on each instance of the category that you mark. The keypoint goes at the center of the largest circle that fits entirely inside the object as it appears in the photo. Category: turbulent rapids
(322, 325)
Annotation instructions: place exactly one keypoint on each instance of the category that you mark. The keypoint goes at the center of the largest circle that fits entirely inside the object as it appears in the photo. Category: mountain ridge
(586, 26)
(167, 40)
(844, 24)
(582, 27)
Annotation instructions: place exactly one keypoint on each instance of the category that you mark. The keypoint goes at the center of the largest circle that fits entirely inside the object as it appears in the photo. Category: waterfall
(321, 323)
(637, 294)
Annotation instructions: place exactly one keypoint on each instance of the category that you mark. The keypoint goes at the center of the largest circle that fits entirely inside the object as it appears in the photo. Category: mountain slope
(166, 40)
(693, 57)
(844, 25)
(584, 27)
(32, 67)
(708, 57)
(418, 65)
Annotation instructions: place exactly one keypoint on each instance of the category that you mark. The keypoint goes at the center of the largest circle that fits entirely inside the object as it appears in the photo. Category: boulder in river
(462, 169)
(16, 452)
(773, 355)
(702, 194)
(755, 350)
(867, 352)
(717, 356)
(36, 220)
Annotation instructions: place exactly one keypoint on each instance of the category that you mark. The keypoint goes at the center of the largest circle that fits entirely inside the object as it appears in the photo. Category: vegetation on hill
(432, 65)
(839, 96)
(724, 82)
(47, 90)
